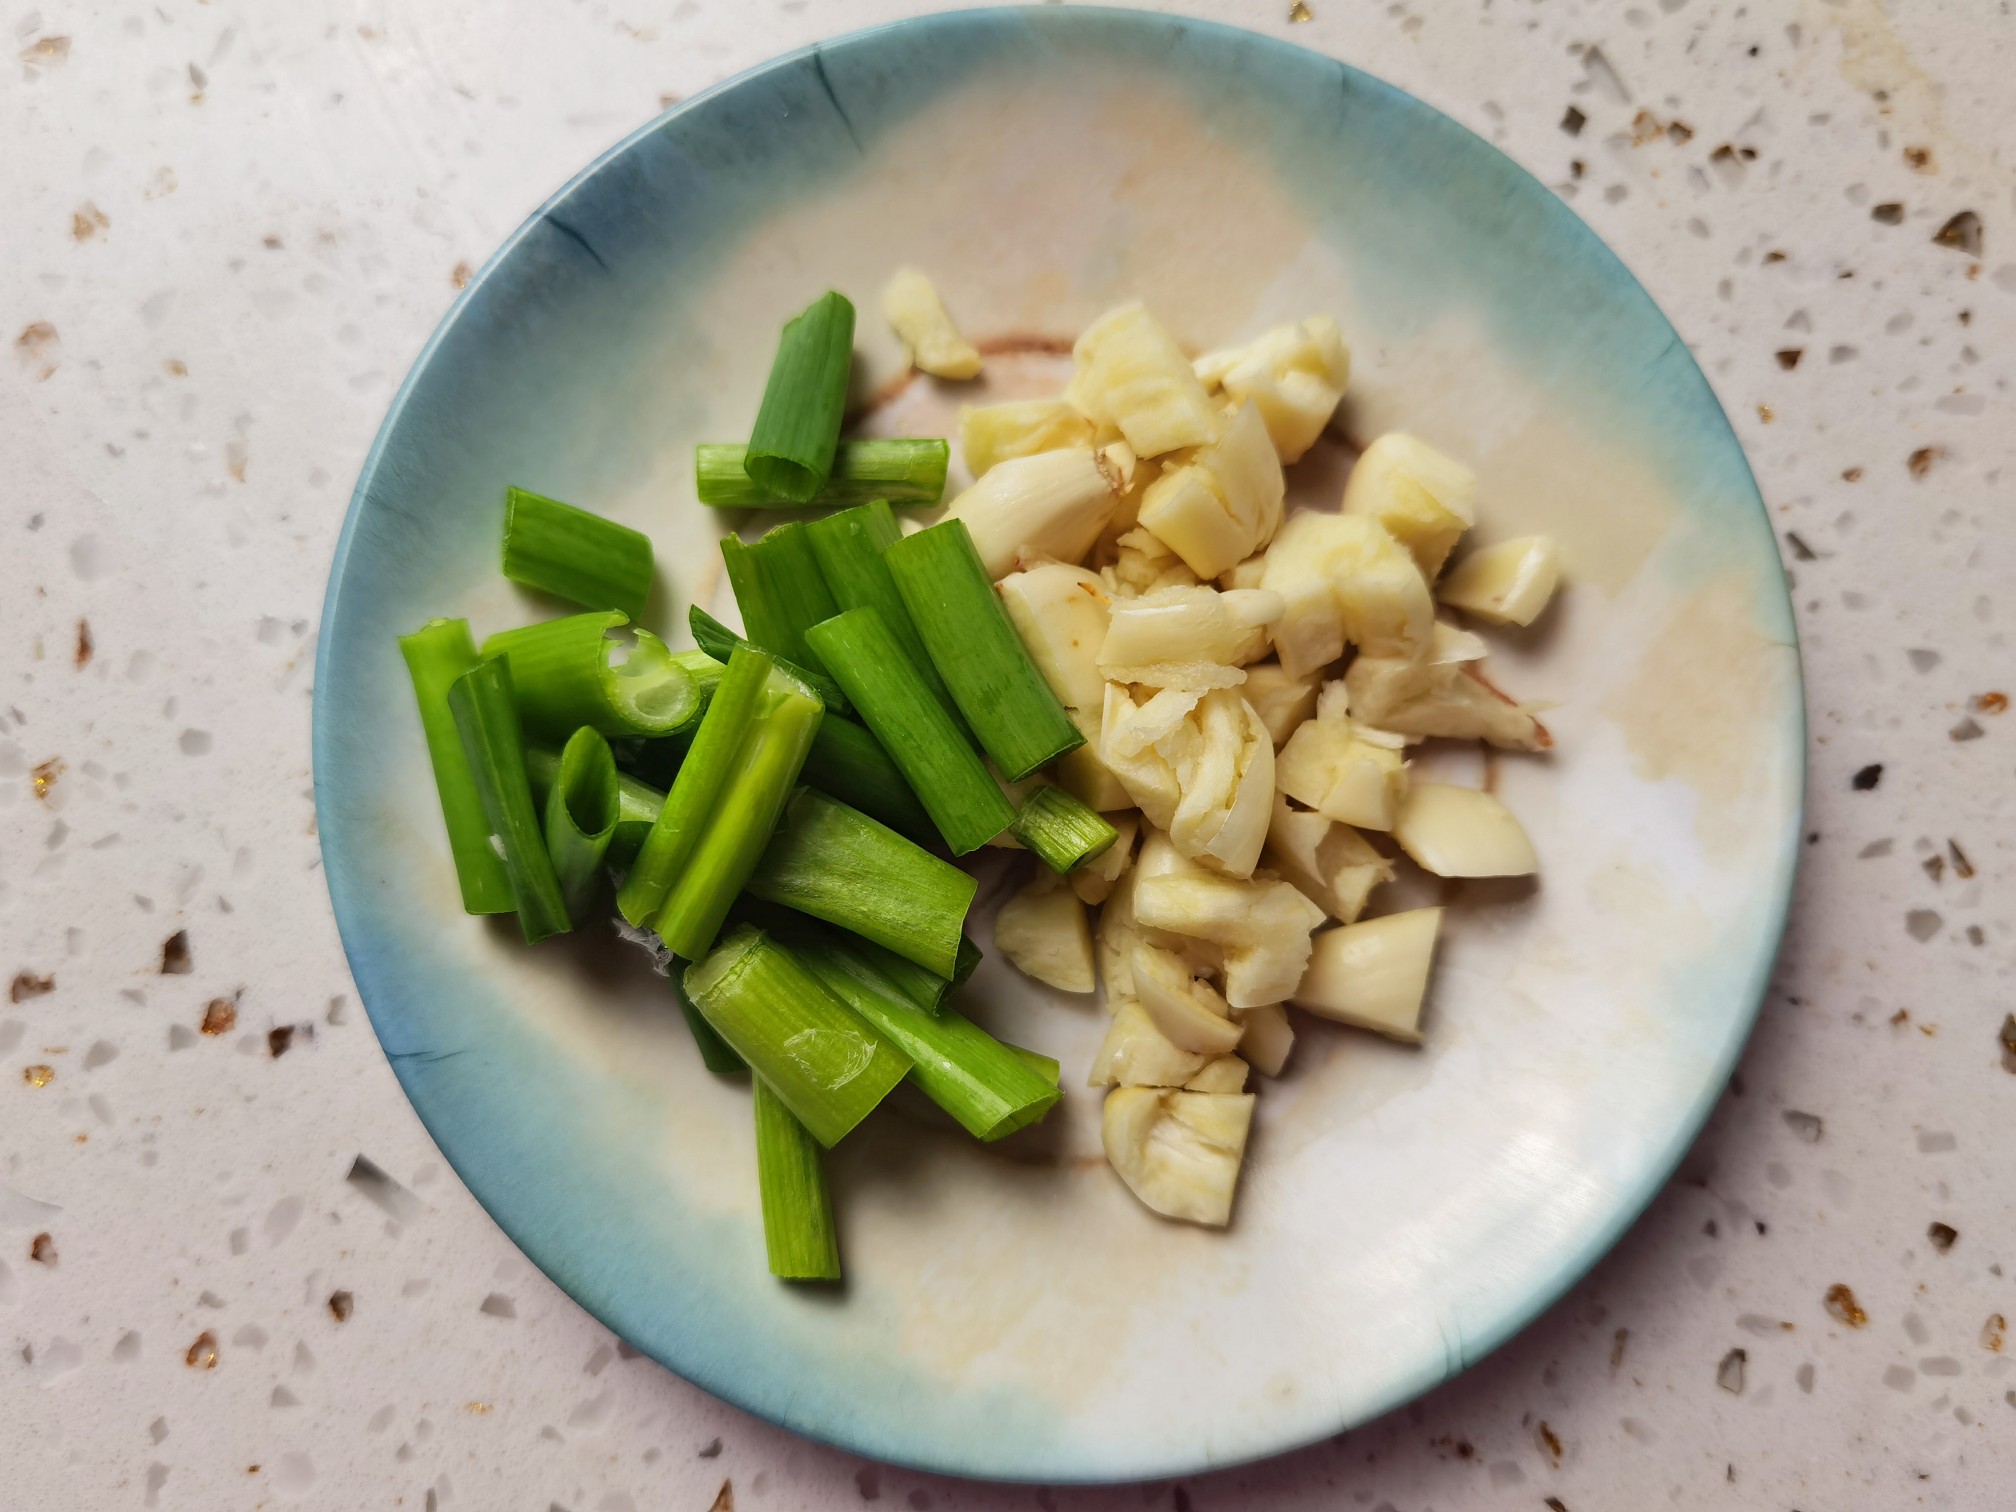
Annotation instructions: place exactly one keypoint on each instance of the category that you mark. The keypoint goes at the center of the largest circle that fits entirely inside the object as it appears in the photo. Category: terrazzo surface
(233, 1269)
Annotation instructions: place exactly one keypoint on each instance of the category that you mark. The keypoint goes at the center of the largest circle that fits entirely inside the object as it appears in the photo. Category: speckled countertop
(233, 1269)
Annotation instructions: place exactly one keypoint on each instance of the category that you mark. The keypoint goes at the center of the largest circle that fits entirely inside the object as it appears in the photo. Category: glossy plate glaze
(1013, 1312)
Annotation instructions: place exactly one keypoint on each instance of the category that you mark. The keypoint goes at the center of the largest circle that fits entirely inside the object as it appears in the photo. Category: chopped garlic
(1344, 578)
(1506, 584)
(1120, 931)
(1344, 770)
(1200, 767)
(1095, 880)
(1179, 1152)
(1052, 504)
(1294, 374)
(1266, 1037)
(1460, 832)
(1221, 1073)
(1282, 701)
(1225, 504)
(1425, 499)
(1060, 611)
(992, 433)
(1190, 1014)
(1137, 1054)
(1153, 636)
(1042, 929)
(1332, 864)
(1246, 574)
(912, 307)
(1143, 565)
(1261, 924)
(1419, 699)
(1374, 974)
(1132, 375)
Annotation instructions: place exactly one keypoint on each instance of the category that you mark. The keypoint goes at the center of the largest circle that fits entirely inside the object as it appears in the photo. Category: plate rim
(1598, 1240)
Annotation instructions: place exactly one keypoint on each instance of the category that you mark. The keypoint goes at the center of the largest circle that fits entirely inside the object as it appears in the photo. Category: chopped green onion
(798, 1231)
(1061, 829)
(582, 557)
(716, 1054)
(765, 770)
(983, 1083)
(1043, 1065)
(850, 764)
(849, 546)
(976, 649)
(970, 957)
(572, 672)
(718, 641)
(436, 654)
(486, 718)
(791, 447)
(780, 591)
(637, 802)
(826, 1066)
(908, 473)
(837, 864)
(583, 805)
(941, 765)
(696, 792)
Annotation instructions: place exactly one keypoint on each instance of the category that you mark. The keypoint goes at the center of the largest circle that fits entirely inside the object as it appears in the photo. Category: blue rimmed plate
(1013, 1312)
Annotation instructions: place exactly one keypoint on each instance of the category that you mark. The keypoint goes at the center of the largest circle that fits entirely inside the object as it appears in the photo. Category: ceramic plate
(1013, 1312)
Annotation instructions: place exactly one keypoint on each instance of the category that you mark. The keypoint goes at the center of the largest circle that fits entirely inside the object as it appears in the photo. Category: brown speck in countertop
(1773, 256)
(460, 275)
(1935, 866)
(1991, 703)
(1807, 1126)
(1549, 1441)
(1766, 413)
(38, 1075)
(1555, 1504)
(1942, 1236)
(278, 1040)
(1920, 461)
(220, 1016)
(271, 243)
(87, 220)
(1800, 549)
(1300, 12)
(42, 1250)
(480, 1409)
(202, 1354)
(1962, 233)
(341, 1305)
(1679, 133)
(40, 349)
(1788, 359)
(1888, 214)
(1729, 1374)
(27, 984)
(1843, 1308)
(1993, 1333)
(1966, 730)
(1572, 121)
(724, 1499)
(1851, 475)
(1962, 867)
(1920, 160)
(2008, 1037)
(84, 644)
(43, 776)
(1866, 779)
(712, 1449)
(175, 957)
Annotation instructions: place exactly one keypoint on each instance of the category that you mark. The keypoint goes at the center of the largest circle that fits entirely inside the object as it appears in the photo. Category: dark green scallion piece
(799, 1235)
(576, 671)
(907, 473)
(436, 654)
(579, 556)
(583, 805)
(486, 717)
(1062, 830)
(718, 641)
(780, 591)
(791, 445)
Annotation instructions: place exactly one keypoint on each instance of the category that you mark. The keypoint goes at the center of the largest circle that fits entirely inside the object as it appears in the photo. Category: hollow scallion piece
(718, 641)
(571, 672)
(850, 764)
(944, 771)
(968, 961)
(981, 1082)
(697, 790)
(716, 1054)
(583, 805)
(486, 718)
(637, 803)
(791, 446)
(765, 770)
(837, 864)
(1062, 831)
(780, 591)
(908, 473)
(1018, 720)
(798, 1231)
(582, 557)
(1041, 1064)
(436, 654)
(824, 1063)
(849, 547)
